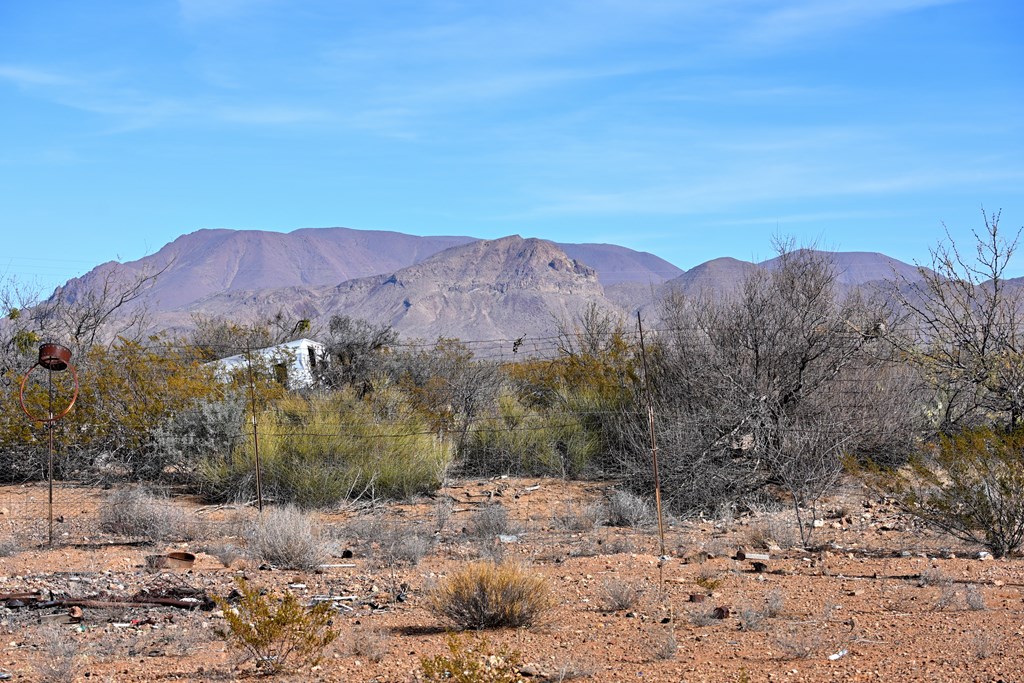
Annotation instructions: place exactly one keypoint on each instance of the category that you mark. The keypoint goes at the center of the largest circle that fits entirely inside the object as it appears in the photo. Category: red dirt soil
(879, 598)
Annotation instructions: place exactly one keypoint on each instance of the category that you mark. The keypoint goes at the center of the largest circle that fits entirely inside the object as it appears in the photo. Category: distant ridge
(453, 286)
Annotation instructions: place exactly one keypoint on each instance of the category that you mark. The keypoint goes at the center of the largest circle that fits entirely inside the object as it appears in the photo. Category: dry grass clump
(403, 544)
(664, 645)
(708, 578)
(572, 517)
(774, 603)
(393, 543)
(9, 547)
(702, 616)
(226, 553)
(371, 643)
(799, 643)
(628, 510)
(490, 521)
(975, 599)
(139, 513)
(472, 662)
(617, 596)
(59, 656)
(287, 538)
(933, 576)
(489, 595)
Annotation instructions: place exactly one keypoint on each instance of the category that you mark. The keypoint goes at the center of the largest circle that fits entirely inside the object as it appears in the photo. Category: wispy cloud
(31, 76)
(271, 115)
(730, 190)
(818, 19)
(202, 11)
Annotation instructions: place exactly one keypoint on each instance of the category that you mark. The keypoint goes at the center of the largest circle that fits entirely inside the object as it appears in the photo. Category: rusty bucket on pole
(52, 358)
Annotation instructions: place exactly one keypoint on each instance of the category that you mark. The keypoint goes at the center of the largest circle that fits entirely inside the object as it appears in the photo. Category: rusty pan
(175, 560)
(54, 357)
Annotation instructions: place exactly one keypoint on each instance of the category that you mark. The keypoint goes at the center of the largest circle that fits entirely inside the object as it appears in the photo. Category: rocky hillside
(488, 289)
(427, 286)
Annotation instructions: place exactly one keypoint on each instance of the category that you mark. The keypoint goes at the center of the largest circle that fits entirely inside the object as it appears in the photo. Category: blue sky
(690, 129)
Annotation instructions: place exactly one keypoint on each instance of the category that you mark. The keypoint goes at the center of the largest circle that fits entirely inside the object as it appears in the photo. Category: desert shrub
(490, 521)
(974, 598)
(226, 553)
(488, 595)
(279, 633)
(59, 657)
(474, 661)
(933, 576)
(402, 544)
(970, 485)
(140, 513)
(799, 642)
(664, 644)
(617, 596)
(774, 603)
(286, 537)
(529, 441)
(750, 618)
(9, 546)
(207, 429)
(317, 451)
(130, 391)
(760, 389)
(984, 645)
(371, 643)
(625, 508)
(571, 517)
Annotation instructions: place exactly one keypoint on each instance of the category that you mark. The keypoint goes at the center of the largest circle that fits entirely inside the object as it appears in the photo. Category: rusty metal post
(654, 442)
(53, 358)
(255, 431)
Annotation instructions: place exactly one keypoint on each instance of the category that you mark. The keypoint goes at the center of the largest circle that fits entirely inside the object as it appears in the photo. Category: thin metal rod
(255, 431)
(654, 442)
(49, 461)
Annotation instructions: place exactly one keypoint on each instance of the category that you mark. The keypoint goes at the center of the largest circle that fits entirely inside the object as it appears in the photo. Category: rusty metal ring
(52, 418)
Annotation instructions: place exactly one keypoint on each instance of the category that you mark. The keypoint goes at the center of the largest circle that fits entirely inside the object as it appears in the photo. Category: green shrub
(488, 595)
(529, 441)
(970, 486)
(472, 662)
(279, 633)
(317, 451)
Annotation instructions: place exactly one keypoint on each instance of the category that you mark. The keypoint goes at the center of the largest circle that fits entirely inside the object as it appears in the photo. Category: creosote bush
(279, 633)
(970, 486)
(489, 595)
(287, 538)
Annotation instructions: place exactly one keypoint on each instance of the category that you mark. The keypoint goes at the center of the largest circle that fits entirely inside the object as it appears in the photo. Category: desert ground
(877, 598)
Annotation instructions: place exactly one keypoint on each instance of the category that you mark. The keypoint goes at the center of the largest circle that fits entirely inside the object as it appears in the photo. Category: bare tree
(769, 387)
(18, 336)
(964, 329)
(97, 309)
(355, 349)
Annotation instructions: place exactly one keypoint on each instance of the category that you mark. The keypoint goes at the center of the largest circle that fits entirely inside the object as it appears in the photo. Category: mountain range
(425, 287)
